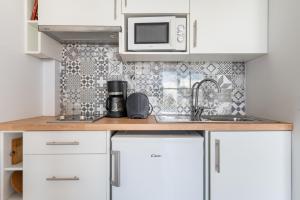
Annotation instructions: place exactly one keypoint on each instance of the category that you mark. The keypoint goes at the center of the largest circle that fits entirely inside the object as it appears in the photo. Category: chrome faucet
(196, 110)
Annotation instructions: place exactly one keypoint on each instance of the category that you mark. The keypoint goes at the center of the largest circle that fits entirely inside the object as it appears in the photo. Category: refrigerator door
(160, 167)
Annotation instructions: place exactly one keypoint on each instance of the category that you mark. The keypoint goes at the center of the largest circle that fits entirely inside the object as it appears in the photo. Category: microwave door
(154, 34)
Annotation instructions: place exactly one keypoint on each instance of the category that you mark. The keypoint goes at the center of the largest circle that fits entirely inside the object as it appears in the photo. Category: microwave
(166, 33)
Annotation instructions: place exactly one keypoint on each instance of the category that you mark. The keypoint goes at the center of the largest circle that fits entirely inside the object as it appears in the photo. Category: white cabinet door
(228, 27)
(65, 177)
(65, 142)
(250, 165)
(80, 12)
(155, 6)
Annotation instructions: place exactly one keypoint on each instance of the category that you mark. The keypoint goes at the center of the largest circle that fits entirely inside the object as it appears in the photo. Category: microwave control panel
(181, 30)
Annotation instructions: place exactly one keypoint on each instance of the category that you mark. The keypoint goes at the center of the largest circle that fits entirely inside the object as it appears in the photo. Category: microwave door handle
(195, 33)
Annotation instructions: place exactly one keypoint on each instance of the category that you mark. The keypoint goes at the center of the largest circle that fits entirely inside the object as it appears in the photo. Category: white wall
(20, 75)
(51, 87)
(273, 87)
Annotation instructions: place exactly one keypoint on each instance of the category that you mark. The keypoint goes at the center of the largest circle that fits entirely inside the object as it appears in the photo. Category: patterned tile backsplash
(86, 68)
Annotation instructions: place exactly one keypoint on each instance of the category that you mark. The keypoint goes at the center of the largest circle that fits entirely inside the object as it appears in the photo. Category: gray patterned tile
(225, 68)
(197, 67)
(211, 68)
(115, 70)
(73, 81)
(86, 68)
(71, 52)
(238, 108)
(183, 76)
(238, 95)
(169, 101)
(88, 95)
(238, 68)
(238, 81)
(88, 109)
(87, 82)
(169, 77)
(73, 67)
(73, 95)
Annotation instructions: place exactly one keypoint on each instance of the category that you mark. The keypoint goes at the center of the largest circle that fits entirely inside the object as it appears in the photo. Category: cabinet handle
(195, 33)
(115, 9)
(62, 143)
(116, 169)
(54, 178)
(125, 3)
(217, 156)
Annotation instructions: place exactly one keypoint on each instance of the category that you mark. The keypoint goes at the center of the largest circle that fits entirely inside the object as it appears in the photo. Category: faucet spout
(196, 110)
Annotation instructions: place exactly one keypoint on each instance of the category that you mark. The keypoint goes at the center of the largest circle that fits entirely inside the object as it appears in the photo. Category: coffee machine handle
(150, 109)
(125, 90)
(107, 104)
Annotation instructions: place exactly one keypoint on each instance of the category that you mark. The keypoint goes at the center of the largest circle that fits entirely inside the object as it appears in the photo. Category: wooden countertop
(110, 124)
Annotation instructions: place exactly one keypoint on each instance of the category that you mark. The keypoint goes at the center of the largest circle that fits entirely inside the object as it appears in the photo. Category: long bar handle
(217, 156)
(195, 33)
(74, 143)
(115, 168)
(115, 9)
(125, 3)
(54, 178)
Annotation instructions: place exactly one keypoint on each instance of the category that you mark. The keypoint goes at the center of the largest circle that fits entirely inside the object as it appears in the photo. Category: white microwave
(166, 33)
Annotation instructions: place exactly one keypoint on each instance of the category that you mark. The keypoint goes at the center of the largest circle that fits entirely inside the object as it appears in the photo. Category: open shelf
(32, 39)
(17, 167)
(38, 44)
(6, 166)
(32, 21)
(15, 196)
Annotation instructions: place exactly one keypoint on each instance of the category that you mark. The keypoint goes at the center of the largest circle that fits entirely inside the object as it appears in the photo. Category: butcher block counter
(119, 124)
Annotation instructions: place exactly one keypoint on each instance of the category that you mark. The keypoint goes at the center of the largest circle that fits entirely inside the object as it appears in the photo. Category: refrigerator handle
(115, 179)
(217, 156)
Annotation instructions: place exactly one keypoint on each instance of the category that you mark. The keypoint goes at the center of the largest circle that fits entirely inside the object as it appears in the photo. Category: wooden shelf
(17, 167)
(32, 21)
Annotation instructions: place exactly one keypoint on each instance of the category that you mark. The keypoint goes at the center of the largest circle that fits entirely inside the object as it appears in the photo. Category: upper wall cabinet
(80, 12)
(228, 27)
(155, 6)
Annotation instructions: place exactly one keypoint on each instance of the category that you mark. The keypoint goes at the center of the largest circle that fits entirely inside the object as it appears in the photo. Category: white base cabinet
(65, 177)
(66, 165)
(250, 165)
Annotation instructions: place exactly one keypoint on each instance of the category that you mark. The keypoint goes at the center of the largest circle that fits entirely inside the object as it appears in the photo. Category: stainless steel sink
(228, 118)
(211, 118)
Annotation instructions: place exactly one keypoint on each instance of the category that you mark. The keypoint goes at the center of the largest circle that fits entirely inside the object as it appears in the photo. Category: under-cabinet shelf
(15, 196)
(17, 167)
(38, 44)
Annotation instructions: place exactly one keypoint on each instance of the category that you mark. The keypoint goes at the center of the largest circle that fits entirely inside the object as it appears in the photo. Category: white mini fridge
(151, 166)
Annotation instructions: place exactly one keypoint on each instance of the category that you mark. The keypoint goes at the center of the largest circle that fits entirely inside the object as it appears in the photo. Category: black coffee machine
(116, 100)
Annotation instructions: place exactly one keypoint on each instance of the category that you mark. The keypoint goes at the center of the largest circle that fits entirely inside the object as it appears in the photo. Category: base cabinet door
(65, 177)
(250, 165)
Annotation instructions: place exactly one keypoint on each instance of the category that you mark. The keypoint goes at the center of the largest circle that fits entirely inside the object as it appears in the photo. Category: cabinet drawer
(64, 142)
(65, 177)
